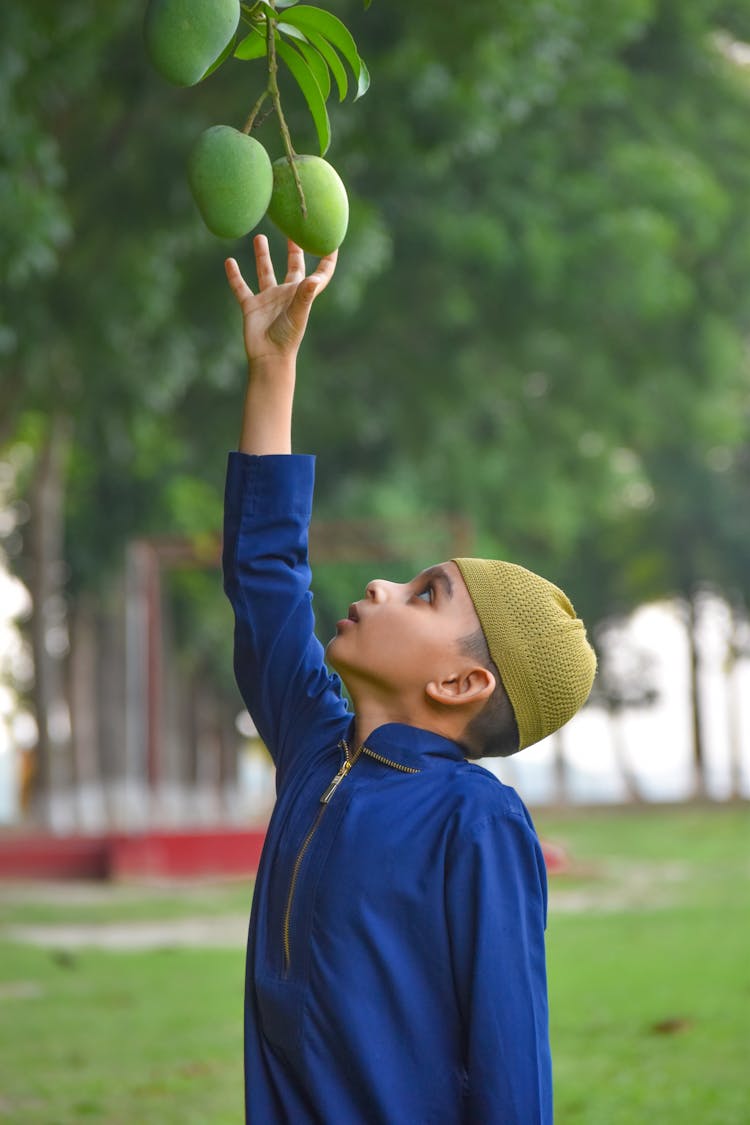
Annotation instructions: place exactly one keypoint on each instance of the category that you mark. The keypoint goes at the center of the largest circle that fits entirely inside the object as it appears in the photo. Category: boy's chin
(335, 654)
(330, 651)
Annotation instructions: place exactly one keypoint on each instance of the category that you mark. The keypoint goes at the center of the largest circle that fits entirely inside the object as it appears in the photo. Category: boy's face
(400, 636)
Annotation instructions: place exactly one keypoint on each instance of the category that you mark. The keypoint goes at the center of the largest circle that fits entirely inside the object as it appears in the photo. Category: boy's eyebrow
(442, 576)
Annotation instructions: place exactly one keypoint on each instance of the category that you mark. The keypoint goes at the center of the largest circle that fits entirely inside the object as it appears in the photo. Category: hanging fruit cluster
(230, 173)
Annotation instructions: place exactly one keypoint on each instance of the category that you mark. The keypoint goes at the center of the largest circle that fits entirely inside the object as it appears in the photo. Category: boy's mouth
(352, 614)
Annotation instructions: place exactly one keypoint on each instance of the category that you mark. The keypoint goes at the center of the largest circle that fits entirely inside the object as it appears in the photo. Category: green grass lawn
(649, 987)
(121, 1038)
(650, 1002)
(125, 902)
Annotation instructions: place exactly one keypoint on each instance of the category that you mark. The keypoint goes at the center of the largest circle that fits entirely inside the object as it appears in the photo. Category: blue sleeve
(496, 900)
(295, 703)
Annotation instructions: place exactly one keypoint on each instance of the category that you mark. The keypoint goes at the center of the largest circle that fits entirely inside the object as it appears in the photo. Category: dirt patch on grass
(613, 886)
(620, 886)
(227, 932)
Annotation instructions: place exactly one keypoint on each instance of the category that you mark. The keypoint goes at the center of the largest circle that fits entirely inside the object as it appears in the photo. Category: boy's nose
(379, 590)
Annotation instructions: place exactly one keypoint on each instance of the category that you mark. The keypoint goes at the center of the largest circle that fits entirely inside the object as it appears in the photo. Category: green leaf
(284, 4)
(291, 31)
(253, 46)
(308, 18)
(315, 62)
(222, 58)
(329, 54)
(308, 85)
(363, 80)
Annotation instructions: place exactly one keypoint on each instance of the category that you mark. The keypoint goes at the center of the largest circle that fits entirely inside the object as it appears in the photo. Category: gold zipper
(293, 881)
(387, 761)
(346, 765)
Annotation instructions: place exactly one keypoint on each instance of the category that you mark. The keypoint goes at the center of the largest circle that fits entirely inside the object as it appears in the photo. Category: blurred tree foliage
(540, 316)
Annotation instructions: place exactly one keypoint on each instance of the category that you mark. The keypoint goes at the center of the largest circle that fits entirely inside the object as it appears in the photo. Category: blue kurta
(395, 958)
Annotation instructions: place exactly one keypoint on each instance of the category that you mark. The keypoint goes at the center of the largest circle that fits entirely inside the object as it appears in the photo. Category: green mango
(231, 179)
(183, 37)
(324, 227)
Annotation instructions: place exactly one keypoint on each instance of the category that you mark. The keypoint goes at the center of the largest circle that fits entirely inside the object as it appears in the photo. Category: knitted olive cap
(536, 641)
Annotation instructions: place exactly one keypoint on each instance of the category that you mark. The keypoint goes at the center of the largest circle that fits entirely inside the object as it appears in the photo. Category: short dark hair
(493, 733)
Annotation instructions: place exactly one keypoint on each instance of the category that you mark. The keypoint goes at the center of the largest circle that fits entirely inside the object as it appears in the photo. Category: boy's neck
(370, 715)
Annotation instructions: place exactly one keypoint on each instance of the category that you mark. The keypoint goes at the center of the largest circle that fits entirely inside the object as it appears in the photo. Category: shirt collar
(409, 746)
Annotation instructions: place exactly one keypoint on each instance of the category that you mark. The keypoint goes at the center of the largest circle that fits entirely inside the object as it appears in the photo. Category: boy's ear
(474, 685)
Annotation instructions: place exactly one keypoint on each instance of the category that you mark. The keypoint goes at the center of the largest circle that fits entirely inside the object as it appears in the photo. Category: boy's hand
(275, 317)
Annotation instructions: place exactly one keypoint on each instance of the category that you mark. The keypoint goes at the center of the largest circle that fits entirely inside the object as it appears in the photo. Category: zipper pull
(346, 766)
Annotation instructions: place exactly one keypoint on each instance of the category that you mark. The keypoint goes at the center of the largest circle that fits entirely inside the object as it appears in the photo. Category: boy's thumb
(310, 287)
(303, 298)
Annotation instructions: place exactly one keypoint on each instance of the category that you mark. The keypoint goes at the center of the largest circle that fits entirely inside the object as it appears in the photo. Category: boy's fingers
(263, 263)
(308, 289)
(295, 270)
(305, 294)
(326, 267)
(322, 274)
(237, 283)
(301, 302)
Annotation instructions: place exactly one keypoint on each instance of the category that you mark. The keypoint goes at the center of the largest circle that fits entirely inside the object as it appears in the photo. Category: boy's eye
(426, 594)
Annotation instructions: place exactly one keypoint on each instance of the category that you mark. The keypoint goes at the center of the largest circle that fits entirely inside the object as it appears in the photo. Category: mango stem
(273, 90)
(254, 111)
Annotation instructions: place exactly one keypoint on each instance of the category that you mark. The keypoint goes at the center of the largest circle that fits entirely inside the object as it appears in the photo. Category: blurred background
(536, 347)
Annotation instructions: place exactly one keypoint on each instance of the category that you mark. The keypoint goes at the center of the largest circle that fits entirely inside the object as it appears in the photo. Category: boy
(395, 960)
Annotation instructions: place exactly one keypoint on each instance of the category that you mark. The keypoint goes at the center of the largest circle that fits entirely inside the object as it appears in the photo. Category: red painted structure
(211, 853)
(142, 855)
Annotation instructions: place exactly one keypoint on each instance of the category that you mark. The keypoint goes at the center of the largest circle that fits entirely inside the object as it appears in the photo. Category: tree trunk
(48, 618)
(84, 711)
(696, 707)
(11, 396)
(625, 770)
(734, 703)
(193, 735)
(110, 682)
(228, 737)
(561, 793)
(209, 743)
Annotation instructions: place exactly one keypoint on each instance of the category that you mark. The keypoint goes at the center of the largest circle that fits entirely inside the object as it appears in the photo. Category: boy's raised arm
(274, 322)
(279, 665)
